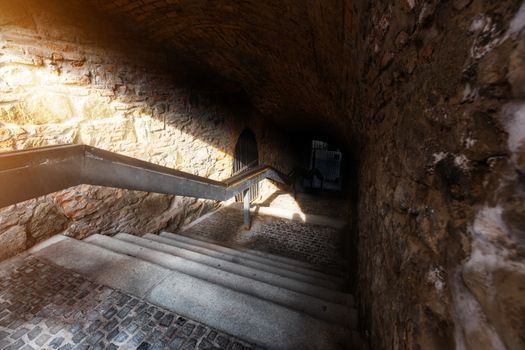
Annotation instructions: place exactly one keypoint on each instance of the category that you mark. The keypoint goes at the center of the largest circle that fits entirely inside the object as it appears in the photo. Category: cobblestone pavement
(315, 244)
(43, 306)
(319, 245)
(331, 206)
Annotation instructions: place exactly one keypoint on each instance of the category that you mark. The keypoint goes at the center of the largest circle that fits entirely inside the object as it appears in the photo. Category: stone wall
(428, 97)
(442, 173)
(68, 74)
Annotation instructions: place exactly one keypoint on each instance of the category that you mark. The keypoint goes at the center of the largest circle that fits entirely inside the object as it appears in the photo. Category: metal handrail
(32, 173)
(246, 167)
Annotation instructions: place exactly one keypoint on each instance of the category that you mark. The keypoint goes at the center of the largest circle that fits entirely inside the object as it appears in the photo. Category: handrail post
(246, 209)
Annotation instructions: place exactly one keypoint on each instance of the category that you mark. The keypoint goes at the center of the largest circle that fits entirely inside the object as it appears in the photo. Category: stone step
(243, 257)
(258, 321)
(271, 257)
(312, 306)
(332, 296)
(231, 257)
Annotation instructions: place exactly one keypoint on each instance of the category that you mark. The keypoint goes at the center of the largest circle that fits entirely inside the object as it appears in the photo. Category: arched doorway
(246, 156)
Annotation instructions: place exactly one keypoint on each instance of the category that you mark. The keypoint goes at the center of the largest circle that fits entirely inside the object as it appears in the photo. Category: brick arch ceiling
(291, 57)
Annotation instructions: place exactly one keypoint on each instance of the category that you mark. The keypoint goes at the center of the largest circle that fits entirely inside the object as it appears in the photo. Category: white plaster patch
(518, 22)
(436, 277)
(438, 157)
(469, 94)
(462, 162)
(477, 24)
(490, 241)
(488, 36)
(469, 142)
(424, 12)
(488, 232)
(470, 320)
(514, 121)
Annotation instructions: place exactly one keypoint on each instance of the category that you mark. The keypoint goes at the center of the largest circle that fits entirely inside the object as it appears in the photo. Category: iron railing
(36, 172)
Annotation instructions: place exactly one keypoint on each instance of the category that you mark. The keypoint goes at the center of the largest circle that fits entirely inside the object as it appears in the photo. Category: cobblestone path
(43, 306)
(331, 206)
(319, 245)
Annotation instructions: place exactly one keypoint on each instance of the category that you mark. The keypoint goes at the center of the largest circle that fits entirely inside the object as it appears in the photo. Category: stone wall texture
(293, 58)
(426, 96)
(71, 75)
(441, 173)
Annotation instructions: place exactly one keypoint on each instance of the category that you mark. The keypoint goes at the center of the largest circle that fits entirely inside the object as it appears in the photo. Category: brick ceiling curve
(291, 57)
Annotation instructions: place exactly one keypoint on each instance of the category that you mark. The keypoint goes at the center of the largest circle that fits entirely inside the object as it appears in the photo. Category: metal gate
(327, 160)
(246, 156)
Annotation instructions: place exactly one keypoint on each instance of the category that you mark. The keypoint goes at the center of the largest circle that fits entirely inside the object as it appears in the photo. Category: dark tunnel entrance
(324, 168)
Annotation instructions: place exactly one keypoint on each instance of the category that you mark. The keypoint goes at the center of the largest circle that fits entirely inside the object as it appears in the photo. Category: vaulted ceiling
(293, 58)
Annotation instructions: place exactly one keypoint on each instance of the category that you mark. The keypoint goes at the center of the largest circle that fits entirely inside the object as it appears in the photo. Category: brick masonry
(43, 306)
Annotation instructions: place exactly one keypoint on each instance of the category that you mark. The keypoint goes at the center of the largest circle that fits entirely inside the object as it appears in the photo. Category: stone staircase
(268, 300)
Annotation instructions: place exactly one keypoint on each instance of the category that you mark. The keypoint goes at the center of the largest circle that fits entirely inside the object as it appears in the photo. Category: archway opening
(325, 168)
(246, 156)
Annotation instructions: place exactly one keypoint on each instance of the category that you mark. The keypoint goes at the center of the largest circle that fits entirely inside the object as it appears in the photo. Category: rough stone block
(46, 221)
(12, 241)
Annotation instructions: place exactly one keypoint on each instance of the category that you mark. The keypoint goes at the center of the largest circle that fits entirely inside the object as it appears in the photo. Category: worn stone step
(258, 321)
(271, 257)
(312, 306)
(298, 276)
(244, 256)
(332, 296)
(251, 253)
